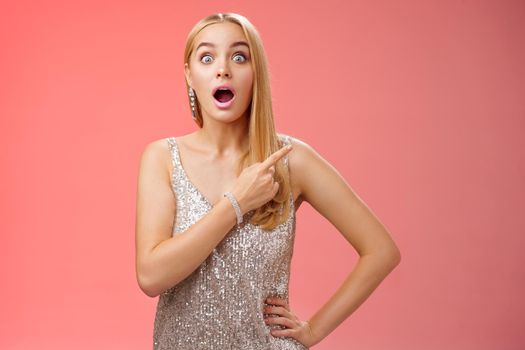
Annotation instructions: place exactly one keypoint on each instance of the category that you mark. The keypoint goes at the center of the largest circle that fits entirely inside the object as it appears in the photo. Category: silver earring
(192, 102)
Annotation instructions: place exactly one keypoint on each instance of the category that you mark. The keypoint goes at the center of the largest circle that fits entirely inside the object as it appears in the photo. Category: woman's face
(221, 56)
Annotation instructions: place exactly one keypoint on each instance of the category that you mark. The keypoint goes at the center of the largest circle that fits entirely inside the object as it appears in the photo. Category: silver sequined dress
(220, 304)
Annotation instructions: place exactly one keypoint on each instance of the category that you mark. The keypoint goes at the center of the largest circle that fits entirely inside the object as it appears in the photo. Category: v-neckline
(203, 197)
(190, 182)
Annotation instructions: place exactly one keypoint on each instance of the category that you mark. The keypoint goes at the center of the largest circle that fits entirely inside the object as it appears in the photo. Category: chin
(227, 115)
(230, 118)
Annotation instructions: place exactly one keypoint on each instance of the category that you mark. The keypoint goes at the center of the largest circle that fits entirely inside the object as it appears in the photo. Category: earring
(192, 102)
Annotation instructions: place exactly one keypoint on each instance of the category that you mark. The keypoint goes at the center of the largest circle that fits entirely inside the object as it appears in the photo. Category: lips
(223, 96)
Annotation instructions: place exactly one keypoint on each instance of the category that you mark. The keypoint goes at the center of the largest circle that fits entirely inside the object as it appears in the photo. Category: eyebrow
(237, 43)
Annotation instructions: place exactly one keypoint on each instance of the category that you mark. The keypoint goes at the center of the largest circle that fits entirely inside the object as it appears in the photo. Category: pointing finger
(274, 158)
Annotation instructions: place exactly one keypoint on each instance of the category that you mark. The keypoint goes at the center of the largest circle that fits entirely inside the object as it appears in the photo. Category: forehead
(220, 34)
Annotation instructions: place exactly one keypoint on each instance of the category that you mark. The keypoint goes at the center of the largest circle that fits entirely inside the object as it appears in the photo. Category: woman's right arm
(163, 260)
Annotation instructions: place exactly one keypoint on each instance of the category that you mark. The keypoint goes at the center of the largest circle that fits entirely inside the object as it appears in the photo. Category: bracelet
(235, 204)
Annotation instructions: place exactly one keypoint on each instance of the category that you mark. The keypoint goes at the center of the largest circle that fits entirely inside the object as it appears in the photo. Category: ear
(187, 73)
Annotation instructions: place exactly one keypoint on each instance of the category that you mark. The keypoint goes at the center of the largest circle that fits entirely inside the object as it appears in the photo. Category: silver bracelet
(235, 204)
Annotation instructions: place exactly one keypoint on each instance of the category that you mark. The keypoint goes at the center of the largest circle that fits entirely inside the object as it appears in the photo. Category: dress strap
(175, 159)
(286, 139)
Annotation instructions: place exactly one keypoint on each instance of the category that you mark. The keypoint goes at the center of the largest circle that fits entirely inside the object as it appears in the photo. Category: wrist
(236, 206)
(240, 202)
(315, 337)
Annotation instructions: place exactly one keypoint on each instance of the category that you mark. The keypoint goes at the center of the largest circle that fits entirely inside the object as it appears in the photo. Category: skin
(215, 148)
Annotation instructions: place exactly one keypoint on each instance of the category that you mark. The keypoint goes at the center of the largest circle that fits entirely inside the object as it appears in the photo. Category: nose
(222, 72)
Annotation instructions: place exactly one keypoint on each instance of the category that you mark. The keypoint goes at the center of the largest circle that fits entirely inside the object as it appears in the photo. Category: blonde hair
(263, 139)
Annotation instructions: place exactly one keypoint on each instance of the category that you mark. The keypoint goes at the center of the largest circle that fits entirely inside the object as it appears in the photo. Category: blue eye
(204, 57)
(240, 55)
(206, 61)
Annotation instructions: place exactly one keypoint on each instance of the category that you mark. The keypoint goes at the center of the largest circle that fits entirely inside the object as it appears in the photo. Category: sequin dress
(220, 304)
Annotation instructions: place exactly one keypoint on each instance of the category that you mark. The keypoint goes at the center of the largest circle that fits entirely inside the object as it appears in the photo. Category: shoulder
(157, 148)
(302, 160)
(156, 155)
(302, 153)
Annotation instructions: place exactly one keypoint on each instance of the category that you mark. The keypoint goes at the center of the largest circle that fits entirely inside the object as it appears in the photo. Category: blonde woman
(216, 208)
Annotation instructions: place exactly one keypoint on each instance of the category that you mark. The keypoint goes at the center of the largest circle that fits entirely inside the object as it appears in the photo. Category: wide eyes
(205, 60)
(241, 56)
(238, 57)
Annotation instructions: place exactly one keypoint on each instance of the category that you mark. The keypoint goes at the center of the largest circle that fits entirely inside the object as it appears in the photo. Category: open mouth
(223, 95)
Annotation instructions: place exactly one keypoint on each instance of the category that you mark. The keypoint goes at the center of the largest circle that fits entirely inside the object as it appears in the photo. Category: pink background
(418, 104)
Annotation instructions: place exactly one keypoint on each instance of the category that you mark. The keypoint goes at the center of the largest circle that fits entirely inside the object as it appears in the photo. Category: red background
(418, 104)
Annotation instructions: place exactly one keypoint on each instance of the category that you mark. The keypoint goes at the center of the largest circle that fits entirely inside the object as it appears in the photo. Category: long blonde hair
(263, 138)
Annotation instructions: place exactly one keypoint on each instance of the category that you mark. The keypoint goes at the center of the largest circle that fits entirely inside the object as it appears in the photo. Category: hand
(297, 329)
(255, 185)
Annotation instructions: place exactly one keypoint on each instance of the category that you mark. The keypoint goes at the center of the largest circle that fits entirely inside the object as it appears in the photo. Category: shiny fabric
(220, 305)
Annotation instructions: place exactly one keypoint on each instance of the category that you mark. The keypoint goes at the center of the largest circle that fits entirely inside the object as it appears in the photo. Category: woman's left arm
(321, 185)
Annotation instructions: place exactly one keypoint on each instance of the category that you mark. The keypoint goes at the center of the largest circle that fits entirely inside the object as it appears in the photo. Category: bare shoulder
(318, 182)
(305, 165)
(159, 147)
(302, 160)
(156, 155)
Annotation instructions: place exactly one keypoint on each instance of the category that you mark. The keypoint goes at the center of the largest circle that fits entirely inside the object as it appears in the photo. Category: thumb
(275, 188)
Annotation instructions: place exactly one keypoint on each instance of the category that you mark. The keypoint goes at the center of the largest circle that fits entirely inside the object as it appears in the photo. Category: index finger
(274, 158)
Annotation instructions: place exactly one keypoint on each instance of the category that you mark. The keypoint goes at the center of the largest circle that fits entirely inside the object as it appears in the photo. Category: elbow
(150, 292)
(152, 287)
(396, 256)
(147, 287)
(392, 255)
(389, 255)
(146, 280)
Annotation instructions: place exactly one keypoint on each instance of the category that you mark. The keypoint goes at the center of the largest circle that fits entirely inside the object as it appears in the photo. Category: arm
(163, 260)
(326, 190)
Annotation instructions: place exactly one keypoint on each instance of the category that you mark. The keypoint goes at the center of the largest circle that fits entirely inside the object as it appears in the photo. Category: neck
(224, 139)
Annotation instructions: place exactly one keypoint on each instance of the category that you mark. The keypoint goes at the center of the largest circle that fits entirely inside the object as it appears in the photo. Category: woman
(216, 210)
